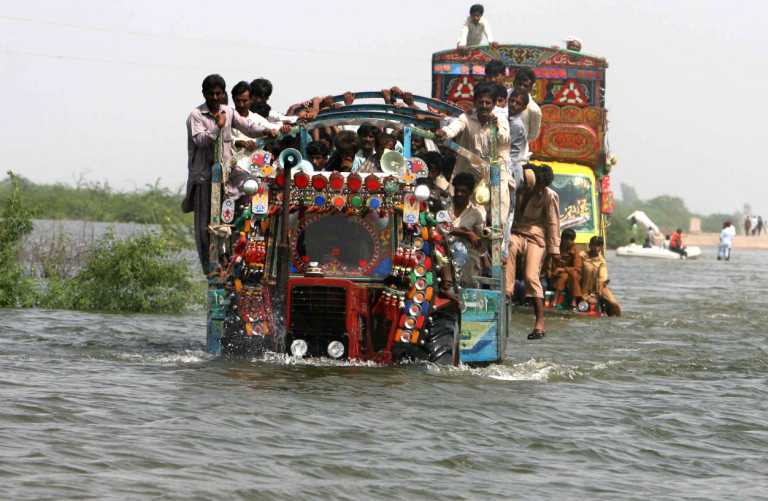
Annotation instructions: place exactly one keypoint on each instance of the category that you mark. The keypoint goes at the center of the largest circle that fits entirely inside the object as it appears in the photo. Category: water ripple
(669, 401)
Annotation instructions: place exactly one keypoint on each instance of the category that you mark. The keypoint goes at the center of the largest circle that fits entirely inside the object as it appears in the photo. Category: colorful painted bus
(570, 89)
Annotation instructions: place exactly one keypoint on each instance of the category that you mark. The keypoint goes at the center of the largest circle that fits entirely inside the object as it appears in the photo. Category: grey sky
(102, 88)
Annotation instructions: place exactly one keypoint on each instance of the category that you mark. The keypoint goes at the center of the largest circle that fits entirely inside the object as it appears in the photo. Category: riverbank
(740, 242)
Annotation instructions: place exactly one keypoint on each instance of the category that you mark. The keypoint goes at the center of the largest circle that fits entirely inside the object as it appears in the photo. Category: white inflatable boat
(635, 250)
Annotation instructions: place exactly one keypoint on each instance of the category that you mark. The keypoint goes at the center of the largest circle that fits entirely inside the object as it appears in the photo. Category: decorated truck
(570, 89)
(346, 265)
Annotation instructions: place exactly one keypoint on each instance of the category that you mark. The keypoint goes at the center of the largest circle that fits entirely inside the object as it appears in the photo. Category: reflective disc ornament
(374, 202)
(354, 183)
(336, 181)
(228, 210)
(418, 167)
(372, 184)
(319, 182)
(301, 180)
(260, 158)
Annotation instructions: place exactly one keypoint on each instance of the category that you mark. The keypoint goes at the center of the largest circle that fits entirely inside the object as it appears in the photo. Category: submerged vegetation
(142, 273)
(15, 223)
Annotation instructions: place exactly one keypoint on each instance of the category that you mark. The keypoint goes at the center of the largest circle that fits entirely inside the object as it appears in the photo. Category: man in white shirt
(518, 152)
(524, 80)
(242, 145)
(475, 28)
(726, 241)
(472, 131)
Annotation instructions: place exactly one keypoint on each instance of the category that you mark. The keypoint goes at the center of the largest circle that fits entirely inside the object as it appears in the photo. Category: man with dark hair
(366, 134)
(565, 270)
(594, 278)
(468, 224)
(242, 145)
(346, 143)
(495, 71)
(472, 130)
(535, 233)
(500, 100)
(518, 134)
(209, 124)
(518, 150)
(317, 153)
(475, 28)
(261, 91)
(434, 161)
(524, 80)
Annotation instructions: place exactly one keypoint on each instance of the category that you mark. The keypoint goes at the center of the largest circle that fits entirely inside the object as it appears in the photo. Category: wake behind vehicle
(345, 265)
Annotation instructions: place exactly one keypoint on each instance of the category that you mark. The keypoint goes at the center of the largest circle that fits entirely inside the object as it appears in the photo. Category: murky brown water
(668, 402)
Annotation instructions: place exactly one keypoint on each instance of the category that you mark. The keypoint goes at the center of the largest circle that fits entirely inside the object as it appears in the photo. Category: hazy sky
(102, 88)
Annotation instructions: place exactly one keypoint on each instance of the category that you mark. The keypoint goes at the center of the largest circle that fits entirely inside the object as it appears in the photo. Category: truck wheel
(439, 341)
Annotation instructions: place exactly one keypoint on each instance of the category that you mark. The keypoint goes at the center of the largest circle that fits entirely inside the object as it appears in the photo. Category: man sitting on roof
(475, 28)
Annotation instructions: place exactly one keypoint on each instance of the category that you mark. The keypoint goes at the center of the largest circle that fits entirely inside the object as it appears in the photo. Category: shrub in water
(15, 222)
(138, 274)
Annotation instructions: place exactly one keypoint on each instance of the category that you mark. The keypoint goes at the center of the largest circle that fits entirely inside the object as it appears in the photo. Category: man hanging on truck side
(206, 124)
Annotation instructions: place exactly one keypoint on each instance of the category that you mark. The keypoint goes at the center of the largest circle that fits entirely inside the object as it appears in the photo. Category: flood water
(669, 401)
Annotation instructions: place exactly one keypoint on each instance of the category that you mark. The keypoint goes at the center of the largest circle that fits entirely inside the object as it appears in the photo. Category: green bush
(15, 222)
(140, 274)
(143, 274)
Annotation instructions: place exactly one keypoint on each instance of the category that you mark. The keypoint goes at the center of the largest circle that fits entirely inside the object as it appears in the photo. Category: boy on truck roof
(475, 28)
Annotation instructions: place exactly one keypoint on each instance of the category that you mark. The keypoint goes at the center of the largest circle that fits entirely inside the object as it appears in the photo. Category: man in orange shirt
(676, 243)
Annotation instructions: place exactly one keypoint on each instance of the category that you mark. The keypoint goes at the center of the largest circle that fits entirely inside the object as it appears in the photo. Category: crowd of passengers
(532, 240)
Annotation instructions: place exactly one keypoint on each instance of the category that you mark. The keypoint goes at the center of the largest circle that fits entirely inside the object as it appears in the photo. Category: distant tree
(629, 195)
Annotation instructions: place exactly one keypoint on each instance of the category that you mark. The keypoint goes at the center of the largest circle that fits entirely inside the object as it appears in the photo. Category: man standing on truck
(207, 124)
(535, 233)
(475, 28)
(472, 130)
(524, 81)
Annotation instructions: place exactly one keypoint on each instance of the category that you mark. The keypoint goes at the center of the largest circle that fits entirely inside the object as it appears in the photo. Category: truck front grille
(318, 311)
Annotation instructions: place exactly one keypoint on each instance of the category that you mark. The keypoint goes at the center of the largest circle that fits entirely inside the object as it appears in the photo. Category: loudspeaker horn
(393, 163)
(290, 158)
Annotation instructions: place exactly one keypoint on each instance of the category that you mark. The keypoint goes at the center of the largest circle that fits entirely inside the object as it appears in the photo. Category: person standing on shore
(747, 225)
(726, 241)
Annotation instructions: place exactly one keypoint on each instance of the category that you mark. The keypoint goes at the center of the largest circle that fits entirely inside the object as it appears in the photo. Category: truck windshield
(343, 245)
(576, 201)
